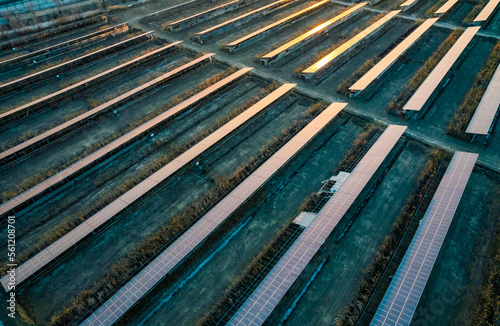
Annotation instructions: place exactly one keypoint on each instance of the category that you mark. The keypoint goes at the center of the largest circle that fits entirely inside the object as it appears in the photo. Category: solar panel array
(267, 295)
(488, 107)
(127, 296)
(120, 143)
(487, 10)
(406, 288)
(120, 204)
(17, 83)
(69, 125)
(268, 29)
(306, 37)
(24, 109)
(199, 17)
(61, 45)
(391, 57)
(424, 92)
(237, 21)
(405, 5)
(351, 43)
(447, 6)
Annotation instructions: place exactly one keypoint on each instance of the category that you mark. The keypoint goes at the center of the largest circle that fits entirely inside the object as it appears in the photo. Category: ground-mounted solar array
(249, 162)
(401, 299)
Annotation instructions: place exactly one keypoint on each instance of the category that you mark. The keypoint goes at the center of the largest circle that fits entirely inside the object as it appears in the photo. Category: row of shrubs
(488, 306)
(253, 274)
(39, 177)
(77, 218)
(342, 39)
(346, 164)
(398, 102)
(343, 87)
(372, 275)
(458, 124)
(126, 267)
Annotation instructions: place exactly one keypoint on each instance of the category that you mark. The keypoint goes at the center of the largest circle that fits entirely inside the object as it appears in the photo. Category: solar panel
(107, 150)
(447, 6)
(58, 131)
(424, 92)
(407, 4)
(262, 301)
(390, 58)
(351, 43)
(487, 10)
(60, 45)
(216, 30)
(306, 37)
(406, 288)
(6, 86)
(51, 97)
(488, 107)
(245, 40)
(199, 17)
(144, 187)
(131, 292)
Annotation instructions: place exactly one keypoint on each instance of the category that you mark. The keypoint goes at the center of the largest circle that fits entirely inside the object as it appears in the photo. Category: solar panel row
(406, 288)
(78, 87)
(303, 39)
(135, 194)
(263, 32)
(20, 58)
(268, 294)
(164, 12)
(407, 4)
(126, 297)
(391, 57)
(447, 6)
(485, 114)
(207, 14)
(487, 11)
(63, 129)
(237, 21)
(69, 65)
(347, 46)
(424, 92)
(54, 182)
